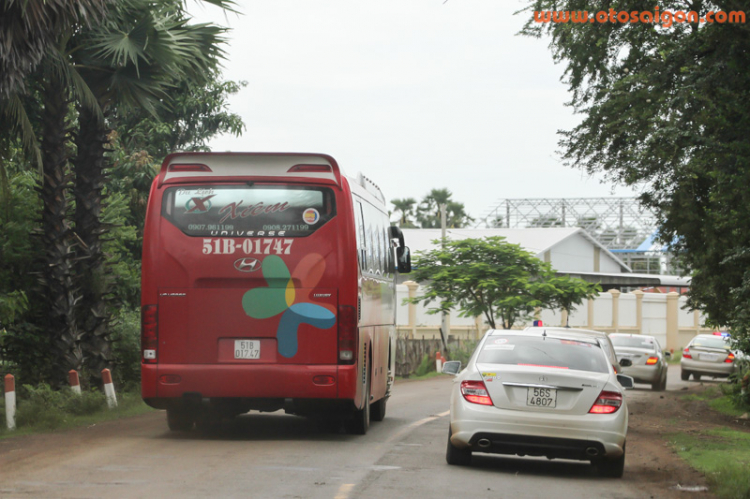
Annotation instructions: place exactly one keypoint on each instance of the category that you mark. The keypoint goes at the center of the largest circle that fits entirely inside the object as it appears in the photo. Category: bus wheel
(360, 422)
(179, 419)
(378, 410)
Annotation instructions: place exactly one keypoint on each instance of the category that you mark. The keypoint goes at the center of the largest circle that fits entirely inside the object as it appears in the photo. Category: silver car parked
(707, 354)
(649, 364)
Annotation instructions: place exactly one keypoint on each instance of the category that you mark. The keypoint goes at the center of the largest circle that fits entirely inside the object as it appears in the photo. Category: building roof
(535, 240)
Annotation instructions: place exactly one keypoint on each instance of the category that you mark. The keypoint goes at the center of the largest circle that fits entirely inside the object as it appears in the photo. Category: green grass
(51, 419)
(723, 455)
(719, 398)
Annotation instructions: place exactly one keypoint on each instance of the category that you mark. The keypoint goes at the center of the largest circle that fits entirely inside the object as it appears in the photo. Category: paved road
(280, 456)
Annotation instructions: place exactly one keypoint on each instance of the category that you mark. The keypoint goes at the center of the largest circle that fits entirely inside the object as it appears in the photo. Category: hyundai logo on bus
(247, 264)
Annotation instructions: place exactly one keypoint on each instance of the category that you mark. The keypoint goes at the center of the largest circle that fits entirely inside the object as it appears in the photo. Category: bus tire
(378, 410)
(179, 419)
(360, 422)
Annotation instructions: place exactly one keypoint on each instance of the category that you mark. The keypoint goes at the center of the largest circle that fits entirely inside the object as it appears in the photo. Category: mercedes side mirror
(625, 381)
(452, 367)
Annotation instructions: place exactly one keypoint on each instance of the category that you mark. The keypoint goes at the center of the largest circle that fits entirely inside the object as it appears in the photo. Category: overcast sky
(415, 94)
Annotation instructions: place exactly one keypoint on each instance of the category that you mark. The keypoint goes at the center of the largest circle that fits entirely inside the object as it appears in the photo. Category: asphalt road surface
(280, 456)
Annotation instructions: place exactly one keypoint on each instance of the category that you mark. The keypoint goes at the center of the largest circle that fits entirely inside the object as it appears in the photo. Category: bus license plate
(246, 349)
(541, 397)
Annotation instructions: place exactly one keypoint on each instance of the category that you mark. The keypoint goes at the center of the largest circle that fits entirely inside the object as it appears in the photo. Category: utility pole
(445, 322)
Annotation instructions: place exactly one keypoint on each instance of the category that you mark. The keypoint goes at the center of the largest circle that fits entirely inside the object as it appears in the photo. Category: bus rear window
(246, 211)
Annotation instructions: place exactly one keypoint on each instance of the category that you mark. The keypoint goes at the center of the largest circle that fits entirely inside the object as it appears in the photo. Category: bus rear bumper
(172, 381)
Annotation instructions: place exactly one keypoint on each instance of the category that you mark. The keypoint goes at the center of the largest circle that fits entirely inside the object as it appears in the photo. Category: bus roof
(192, 165)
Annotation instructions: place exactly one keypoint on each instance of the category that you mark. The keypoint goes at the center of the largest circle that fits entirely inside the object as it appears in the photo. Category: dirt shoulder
(651, 464)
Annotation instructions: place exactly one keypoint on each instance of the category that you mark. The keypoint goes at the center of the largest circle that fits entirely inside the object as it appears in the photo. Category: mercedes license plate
(541, 397)
(246, 349)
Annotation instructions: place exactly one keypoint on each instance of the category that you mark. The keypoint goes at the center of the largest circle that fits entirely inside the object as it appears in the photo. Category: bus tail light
(347, 333)
(309, 169)
(606, 403)
(149, 333)
(189, 168)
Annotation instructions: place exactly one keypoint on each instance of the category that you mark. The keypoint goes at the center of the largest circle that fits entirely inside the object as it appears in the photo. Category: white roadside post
(75, 384)
(109, 388)
(10, 401)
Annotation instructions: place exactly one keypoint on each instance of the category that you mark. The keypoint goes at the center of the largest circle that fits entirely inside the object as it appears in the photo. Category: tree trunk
(57, 280)
(90, 178)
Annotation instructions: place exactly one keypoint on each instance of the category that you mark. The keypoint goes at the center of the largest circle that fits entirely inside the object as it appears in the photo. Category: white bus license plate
(246, 349)
(541, 397)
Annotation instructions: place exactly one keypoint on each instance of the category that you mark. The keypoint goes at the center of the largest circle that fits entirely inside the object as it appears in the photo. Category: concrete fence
(662, 315)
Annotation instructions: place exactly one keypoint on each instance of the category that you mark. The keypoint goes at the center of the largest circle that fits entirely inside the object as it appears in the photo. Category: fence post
(639, 310)
(109, 388)
(75, 384)
(412, 286)
(615, 309)
(10, 401)
(590, 314)
(672, 320)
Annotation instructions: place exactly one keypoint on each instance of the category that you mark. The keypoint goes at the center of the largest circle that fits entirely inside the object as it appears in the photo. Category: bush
(426, 366)
(463, 353)
(126, 350)
(45, 408)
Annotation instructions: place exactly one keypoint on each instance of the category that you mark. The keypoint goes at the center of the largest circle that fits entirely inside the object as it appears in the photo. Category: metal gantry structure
(620, 224)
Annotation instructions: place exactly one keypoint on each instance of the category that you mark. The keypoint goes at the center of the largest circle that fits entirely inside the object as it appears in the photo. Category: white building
(569, 249)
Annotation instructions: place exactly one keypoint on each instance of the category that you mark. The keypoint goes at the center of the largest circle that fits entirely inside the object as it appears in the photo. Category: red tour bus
(268, 283)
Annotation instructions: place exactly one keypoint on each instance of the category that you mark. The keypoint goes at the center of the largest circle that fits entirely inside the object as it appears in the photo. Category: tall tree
(405, 207)
(664, 108)
(493, 278)
(129, 62)
(428, 211)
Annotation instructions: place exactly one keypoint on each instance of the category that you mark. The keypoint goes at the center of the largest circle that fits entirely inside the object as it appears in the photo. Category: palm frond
(12, 112)
(68, 74)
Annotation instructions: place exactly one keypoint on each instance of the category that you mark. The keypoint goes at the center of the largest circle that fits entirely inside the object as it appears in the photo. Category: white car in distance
(539, 394)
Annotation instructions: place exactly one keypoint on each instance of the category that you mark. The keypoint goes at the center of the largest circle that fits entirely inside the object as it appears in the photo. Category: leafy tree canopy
(665, 108)
(490, 277)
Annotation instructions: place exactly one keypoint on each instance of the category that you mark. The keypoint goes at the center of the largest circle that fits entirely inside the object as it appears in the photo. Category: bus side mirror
(403, 257)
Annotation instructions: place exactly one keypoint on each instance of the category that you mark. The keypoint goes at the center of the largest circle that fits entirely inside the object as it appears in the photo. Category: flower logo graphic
(282, 297)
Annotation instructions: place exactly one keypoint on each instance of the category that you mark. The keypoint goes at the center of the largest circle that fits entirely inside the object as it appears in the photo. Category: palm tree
(406, 208)
(428, 211)
(128, 62)
(29, 32)
(456, 216)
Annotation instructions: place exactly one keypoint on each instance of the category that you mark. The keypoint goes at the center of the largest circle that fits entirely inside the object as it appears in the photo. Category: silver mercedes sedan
(539, 393)
(707, 355)
(649, 363)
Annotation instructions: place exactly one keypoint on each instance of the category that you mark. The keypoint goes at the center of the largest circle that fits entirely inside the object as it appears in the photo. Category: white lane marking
(406, 429)
(344, 491)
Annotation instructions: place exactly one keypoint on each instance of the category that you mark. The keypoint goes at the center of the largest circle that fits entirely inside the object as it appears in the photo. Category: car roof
(589, 332)
(557, 333)
(629, 335)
